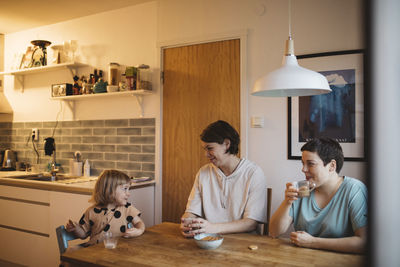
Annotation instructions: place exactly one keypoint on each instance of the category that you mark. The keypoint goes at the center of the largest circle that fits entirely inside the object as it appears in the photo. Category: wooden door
(201, 85)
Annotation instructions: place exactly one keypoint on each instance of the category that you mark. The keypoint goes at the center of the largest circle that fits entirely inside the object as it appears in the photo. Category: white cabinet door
(143, 199)
(64, 206)
(24, 225)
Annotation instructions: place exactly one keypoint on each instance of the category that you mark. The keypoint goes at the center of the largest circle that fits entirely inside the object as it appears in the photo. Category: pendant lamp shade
(291, 79)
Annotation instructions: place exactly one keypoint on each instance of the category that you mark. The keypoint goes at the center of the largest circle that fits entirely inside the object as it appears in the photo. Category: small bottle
(86, 168)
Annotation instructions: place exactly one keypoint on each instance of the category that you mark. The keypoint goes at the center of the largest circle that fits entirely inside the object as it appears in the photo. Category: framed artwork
(26, 61)
(339, 114)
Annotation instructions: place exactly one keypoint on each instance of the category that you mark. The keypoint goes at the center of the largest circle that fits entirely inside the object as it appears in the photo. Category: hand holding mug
(290, 193)
(304, 188)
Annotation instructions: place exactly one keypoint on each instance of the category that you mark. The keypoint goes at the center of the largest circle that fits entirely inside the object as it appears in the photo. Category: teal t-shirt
(344, 214)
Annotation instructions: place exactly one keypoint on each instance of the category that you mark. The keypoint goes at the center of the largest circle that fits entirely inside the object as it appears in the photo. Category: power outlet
(35, 134)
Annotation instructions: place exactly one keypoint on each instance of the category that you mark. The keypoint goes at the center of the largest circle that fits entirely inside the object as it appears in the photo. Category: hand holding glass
(304, 188)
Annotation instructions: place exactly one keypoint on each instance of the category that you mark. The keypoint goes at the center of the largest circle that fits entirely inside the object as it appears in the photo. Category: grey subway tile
(51, 124)
(141, 140)
(67, 155)
(128, 165)
(93, 155)
(9, 131)
(142, 157)
(148, 167)
(72, 124)
(104, 131)
(104, 148)
(71, 139)
(102, 164)
(116, 140)
(116, 123)
(129, 131)
(82, 147)
(43, 133)
(149, 131)
(17, 125)
(142, 122)
(148, 148)
(116, 156)
(6, 125)
(93, 139)
(63, 147)
(128, 148)
(82, 131)
(93, 123)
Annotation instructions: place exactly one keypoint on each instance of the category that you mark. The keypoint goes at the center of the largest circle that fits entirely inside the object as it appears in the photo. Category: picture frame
(26, 61)
(339, 114)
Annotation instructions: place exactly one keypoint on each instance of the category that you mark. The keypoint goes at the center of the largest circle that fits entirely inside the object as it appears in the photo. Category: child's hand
(133, 232)
(70, 226)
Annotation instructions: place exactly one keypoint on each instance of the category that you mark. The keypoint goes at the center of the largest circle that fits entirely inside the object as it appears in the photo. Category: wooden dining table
(163, 245)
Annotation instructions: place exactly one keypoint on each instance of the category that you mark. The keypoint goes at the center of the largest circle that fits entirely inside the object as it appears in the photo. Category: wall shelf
(20, 74)
(139, 94)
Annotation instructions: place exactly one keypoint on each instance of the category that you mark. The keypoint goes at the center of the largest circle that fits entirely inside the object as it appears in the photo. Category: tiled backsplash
(127, 144)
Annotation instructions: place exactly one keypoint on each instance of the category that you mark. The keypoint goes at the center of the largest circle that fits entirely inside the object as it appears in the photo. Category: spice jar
(113, 73)
(130, 75)
(143, 78)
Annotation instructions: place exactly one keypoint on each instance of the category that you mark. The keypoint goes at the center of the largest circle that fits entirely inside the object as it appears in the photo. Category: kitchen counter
(81, 185)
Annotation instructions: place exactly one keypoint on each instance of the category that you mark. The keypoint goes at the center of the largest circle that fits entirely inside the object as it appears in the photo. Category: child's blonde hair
(106, 185)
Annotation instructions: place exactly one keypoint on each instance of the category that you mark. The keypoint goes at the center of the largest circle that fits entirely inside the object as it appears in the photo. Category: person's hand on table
(193, 226)
(200, 225)
(302, 239)
(70, 226)
(185, 227)
(132, 232)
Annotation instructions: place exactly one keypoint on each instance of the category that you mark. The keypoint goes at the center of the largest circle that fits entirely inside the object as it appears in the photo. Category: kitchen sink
(43, 177)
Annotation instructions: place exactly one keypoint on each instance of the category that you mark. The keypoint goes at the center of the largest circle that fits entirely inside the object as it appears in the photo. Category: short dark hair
(220, 130)
(327, 149)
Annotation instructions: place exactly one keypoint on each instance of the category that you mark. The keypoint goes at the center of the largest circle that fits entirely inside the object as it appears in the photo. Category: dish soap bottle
(86, 168)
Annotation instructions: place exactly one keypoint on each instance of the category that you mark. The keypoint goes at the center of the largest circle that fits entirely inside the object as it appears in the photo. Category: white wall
(130, 36)
(317, 26)
(127, 36)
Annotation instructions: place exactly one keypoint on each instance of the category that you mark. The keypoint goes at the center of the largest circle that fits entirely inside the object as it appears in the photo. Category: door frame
(161, 46)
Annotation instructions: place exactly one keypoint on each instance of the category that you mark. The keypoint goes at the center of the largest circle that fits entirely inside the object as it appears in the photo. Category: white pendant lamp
(291, 79)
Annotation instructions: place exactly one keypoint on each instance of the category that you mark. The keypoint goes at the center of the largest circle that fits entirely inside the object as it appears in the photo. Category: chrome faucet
(54, 169)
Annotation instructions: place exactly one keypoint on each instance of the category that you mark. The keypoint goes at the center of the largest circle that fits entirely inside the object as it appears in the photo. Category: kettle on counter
(9, 160)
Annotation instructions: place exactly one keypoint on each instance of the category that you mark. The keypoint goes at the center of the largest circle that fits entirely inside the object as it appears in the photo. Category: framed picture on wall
(339, 114)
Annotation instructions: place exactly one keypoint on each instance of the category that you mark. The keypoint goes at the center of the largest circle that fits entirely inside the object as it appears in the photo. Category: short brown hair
(106, 185)
(220, 130)
(327, 149)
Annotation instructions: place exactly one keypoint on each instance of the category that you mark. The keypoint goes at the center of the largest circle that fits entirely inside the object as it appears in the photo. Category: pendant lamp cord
(290, 19)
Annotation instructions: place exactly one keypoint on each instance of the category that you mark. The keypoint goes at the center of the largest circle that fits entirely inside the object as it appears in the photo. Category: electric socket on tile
(35, 134)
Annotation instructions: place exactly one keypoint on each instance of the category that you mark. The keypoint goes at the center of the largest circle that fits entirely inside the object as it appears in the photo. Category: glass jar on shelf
(113, 73)
(143, 79)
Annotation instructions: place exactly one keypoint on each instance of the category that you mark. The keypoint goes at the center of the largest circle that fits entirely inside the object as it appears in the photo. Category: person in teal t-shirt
(334, 216)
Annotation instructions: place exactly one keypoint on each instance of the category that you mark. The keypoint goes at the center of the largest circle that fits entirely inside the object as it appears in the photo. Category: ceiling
(18, 15)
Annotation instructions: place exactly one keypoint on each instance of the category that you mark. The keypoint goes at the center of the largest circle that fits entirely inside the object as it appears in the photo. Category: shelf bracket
(139, 99)
(71, 105)
(72, 70)
(21, 80)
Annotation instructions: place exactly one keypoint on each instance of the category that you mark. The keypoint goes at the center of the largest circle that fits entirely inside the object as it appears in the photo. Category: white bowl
(208, 244)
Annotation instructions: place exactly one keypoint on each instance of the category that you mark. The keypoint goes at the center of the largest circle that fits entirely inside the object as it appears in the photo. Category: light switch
(257, 122)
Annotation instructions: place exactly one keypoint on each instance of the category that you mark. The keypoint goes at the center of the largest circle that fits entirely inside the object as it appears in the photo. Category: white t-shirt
(219, 198)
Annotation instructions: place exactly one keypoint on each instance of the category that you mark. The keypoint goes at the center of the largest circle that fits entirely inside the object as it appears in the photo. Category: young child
(111, 211)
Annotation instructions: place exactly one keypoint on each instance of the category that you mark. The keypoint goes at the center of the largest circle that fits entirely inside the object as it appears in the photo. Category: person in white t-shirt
(229, 193)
